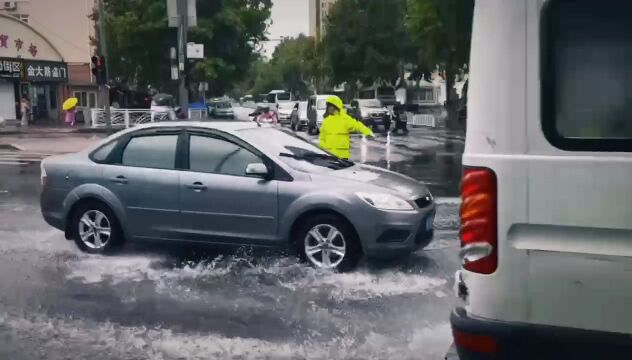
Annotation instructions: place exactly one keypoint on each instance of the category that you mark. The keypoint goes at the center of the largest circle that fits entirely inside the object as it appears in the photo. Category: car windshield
(293, 150)
(385, 91)
(369, 103)
(222, 105)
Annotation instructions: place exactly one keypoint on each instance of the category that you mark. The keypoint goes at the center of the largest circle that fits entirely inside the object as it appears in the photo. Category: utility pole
(103, 51)
(182, 56)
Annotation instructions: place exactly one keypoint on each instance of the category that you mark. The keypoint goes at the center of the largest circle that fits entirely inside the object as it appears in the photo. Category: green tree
(139, 41)
(442, 30)
(295, 65)
(366, 41)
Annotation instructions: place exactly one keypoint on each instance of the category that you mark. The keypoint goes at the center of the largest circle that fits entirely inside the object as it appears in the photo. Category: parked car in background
(316, 106)
(221, 109)
(248, 101)
(278, 96)
(330, 211)
(261, 100)
(546, 230)
(284, 111)
(163, 107)
(384, 94)
(371, 113)
(298, 118)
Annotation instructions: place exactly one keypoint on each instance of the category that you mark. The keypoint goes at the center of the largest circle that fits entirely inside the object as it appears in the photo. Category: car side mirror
(257, 169)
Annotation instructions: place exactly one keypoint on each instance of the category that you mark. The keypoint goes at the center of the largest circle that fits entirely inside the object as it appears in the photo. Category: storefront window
(86, 98)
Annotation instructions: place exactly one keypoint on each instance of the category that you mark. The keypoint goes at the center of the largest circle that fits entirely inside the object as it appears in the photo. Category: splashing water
(59, 337)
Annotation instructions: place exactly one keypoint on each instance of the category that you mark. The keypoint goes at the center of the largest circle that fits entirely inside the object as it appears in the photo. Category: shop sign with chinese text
(45, 71)
(11, 68)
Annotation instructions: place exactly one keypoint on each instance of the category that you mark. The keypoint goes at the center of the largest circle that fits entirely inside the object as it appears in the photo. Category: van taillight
(479, 233)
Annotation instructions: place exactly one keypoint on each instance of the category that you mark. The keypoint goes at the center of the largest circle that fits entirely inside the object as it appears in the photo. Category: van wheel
(95, 228)
(328, 242)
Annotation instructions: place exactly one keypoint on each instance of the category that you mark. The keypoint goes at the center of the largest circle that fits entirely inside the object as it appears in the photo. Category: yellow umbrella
(70, 103)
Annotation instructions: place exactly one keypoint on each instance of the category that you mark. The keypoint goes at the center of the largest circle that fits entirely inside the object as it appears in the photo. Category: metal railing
(125, 118)
(421, 120)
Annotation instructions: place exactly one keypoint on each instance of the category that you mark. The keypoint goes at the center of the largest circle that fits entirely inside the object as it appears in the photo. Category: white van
(546, 217)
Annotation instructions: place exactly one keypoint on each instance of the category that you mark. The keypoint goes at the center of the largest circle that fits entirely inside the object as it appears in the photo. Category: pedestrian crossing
(21, 158)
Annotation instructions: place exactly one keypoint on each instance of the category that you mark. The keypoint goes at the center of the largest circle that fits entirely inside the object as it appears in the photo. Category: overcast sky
(289, 18)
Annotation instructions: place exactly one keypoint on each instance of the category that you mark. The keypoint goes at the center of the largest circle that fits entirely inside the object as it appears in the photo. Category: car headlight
(385, 201)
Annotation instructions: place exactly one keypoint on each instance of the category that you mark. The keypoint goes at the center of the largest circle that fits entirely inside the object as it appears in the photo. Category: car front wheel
(328, 242)
(95, 229)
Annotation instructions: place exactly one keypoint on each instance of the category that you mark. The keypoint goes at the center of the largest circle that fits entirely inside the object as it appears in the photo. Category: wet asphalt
(157, 301)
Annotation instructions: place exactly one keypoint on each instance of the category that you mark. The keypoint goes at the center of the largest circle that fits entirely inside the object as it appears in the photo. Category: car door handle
(119, 180)
(197, 186)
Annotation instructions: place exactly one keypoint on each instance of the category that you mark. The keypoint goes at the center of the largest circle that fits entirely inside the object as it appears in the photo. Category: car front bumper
(485, 339)
(387, 234)
(226, 115)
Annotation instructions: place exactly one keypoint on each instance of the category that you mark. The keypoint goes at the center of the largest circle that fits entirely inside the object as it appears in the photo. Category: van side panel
(564, 218)
(578, 237)
(496, 138)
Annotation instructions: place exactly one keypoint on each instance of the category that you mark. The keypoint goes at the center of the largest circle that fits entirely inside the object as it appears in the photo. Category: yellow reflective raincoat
(335, 130)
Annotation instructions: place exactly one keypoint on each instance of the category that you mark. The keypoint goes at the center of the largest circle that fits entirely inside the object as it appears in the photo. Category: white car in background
(316, 106)
(284, 111)
(163, 108)
(298, 118)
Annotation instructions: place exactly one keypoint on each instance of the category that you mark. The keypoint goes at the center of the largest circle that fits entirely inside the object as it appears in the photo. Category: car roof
(228, 126)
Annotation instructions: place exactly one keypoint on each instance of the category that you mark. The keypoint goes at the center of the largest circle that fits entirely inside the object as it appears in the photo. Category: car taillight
(43, 176)
(473, 342)
(479, 233)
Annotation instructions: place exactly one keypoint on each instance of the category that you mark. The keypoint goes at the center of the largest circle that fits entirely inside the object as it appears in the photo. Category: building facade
(318, 12)
(45, 51)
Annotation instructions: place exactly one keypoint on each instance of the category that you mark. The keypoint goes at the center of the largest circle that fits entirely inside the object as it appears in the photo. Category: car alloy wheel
(325, 246)
(94, 229)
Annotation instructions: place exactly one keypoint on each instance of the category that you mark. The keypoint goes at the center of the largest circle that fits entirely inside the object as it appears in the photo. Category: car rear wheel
(328, 242)
(95, 228)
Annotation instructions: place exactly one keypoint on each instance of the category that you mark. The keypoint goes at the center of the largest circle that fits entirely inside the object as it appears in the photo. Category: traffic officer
(336, 127)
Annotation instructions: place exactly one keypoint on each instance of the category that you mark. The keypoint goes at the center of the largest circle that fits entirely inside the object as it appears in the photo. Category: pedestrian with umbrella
(70, 107)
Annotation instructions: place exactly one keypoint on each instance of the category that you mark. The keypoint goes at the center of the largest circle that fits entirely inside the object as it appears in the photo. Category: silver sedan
(233, 183)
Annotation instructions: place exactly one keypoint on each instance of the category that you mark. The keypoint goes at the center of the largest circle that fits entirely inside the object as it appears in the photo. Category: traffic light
(98, 70)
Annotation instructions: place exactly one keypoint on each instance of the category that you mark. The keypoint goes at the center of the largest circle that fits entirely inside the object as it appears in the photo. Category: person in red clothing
(267, 116)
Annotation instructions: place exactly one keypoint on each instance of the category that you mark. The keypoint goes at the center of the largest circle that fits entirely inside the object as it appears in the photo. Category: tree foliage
(139, 41)
(442, 31)
(296, 65)
(366, 41)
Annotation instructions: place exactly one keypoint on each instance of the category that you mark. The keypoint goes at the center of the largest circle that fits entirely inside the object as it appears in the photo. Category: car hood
(397, 183)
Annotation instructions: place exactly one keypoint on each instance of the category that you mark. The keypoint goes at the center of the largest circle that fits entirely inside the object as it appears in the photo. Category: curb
(11, 147)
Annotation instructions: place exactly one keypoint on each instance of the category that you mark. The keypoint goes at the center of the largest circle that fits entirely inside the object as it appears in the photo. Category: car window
(322, 104)
(215, 155)
(153, 151)
(104, 151)
(293, 150)
(283, 96)
(588, 82)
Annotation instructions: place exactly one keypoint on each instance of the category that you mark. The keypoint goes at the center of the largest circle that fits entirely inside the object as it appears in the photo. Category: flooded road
(174, 301)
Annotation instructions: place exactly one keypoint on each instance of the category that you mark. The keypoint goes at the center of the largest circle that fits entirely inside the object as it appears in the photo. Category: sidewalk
(13, 127)
(50, 142)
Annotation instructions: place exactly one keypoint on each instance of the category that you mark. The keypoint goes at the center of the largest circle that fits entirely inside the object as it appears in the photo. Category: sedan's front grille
(424, 201)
